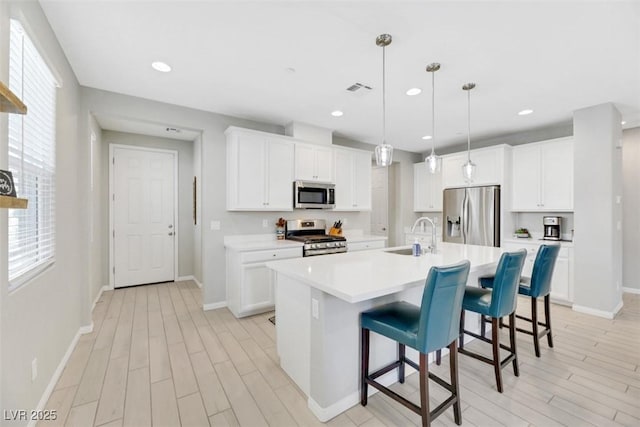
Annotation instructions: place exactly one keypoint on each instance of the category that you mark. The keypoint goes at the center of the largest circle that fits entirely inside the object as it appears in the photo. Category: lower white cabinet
(562, 280)
(365, 245)
(250, 283)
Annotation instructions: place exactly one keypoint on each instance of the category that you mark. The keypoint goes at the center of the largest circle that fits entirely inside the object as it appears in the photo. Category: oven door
(313, 195)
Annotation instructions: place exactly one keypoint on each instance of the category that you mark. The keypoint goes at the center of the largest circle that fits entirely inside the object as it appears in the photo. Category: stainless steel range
(312, 232)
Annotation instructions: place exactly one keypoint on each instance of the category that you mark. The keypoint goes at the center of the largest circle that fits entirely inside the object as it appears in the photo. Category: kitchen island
(318, 303)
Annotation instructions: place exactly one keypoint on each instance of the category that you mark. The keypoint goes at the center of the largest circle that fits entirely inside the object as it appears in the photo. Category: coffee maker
(551, 226)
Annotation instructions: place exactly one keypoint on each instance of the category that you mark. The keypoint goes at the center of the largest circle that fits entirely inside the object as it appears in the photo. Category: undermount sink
(406, 251)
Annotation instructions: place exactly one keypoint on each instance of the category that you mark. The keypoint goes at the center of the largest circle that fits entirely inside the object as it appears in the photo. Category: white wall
(185, 191)
(631, 209)
(597, 238)
(42, 317)
(98, 212)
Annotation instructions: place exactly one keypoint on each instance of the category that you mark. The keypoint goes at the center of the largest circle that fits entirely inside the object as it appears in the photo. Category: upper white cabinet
(427, 189)
(352, 179)
(543, 176)
(259, 171)
(489, 162)
(313, 162)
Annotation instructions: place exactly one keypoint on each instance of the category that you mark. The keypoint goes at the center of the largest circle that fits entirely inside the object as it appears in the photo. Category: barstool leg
(453, 369)
(438, 357)
(401, 351)
(424, 390)
(364, 365)
(483, 327)
(512, 339)
(534, 325)
(461, 344)
(495, 340)
(547, 319)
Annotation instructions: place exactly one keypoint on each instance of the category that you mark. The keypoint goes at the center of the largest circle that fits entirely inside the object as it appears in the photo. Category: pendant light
(433, 162)
(384, 151)
(469, 168)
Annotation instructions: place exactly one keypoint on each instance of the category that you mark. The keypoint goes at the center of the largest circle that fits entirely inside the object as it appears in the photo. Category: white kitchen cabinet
(543, 176)
(561, 281)
(250, 284)
(352, 179)
(489, 162)
(427, 189)
(259, 171)
(365, 245)
(313, 162)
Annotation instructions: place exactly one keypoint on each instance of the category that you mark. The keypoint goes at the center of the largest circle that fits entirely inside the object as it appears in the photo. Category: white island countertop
(359, 276)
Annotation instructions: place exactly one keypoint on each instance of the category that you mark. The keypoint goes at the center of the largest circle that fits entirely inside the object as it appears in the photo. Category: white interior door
(380, 201)
(143, 216)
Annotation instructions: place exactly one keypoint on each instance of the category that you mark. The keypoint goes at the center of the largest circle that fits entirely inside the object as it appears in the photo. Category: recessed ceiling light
(414, 91)
(525, 112)
(163, 67)
(337, 113)
(623, 123)
(427, 137)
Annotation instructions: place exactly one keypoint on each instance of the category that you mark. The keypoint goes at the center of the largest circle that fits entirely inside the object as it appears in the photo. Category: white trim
(331, 411)
(191, 277)
(58, 372)
(197, 282)
(102, 289)
(176, 216)
(596, 312)
(631, 290)
(214, 306)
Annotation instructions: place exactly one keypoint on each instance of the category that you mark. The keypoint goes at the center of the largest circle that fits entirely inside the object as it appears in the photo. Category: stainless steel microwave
(313, 195)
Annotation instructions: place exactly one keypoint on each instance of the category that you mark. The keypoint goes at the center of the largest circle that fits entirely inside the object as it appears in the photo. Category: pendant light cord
(469, 125)
(384, 102)
(433, 113)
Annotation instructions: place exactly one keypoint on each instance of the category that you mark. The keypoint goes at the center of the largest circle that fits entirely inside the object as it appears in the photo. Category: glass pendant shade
(384, 154)
(384, 151)
(469, 168)
(433, 163)
(469, 171)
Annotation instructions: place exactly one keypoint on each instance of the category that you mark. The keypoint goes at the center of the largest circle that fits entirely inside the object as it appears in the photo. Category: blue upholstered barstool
(430, 327)
(536, 286)
(496, 303)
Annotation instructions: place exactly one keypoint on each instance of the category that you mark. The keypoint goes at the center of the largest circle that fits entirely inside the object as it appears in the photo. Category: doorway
(380, 201)
(143, 215)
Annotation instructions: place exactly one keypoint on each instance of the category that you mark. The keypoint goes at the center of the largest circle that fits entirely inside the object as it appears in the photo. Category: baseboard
(197, 282)
(214, 306)
(183, 278)
(596, 312)
(102, 289)
(58, 372)
(324, 414)
(631, 290)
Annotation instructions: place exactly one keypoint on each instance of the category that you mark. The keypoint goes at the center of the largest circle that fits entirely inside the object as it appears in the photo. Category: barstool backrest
(543, 270)
(505, 283)
(441, 305)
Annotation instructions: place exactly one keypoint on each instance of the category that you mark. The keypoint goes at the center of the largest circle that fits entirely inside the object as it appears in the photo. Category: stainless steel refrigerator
(471, 215)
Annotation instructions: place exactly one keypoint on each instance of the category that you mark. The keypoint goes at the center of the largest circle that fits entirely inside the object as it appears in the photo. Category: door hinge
(114, 234)
(113, 160)
(113, 197)
(114, 270)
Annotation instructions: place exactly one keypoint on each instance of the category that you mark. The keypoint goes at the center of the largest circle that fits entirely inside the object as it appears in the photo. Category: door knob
(171, 233)
(171, 226)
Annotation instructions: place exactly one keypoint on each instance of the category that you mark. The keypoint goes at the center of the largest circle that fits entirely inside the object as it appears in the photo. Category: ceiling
(283, 61)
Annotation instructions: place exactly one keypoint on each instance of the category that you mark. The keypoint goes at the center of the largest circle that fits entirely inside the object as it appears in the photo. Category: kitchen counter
(360, 276)
(255, 242)
(318, 306)
(538, 241)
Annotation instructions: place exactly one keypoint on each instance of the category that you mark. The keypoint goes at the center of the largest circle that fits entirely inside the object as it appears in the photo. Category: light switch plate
(265, 223)
(315, 310)
(215, 225)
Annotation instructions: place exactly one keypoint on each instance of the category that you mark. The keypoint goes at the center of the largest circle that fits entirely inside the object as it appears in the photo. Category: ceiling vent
(357, 86)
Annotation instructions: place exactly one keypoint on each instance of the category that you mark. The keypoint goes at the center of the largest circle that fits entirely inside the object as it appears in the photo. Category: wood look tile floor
(156, 358)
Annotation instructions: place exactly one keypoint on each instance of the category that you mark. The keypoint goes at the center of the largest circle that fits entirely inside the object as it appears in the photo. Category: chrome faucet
(432, 247)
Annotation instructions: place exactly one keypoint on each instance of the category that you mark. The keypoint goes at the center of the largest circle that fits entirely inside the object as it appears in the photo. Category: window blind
(31, 155)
